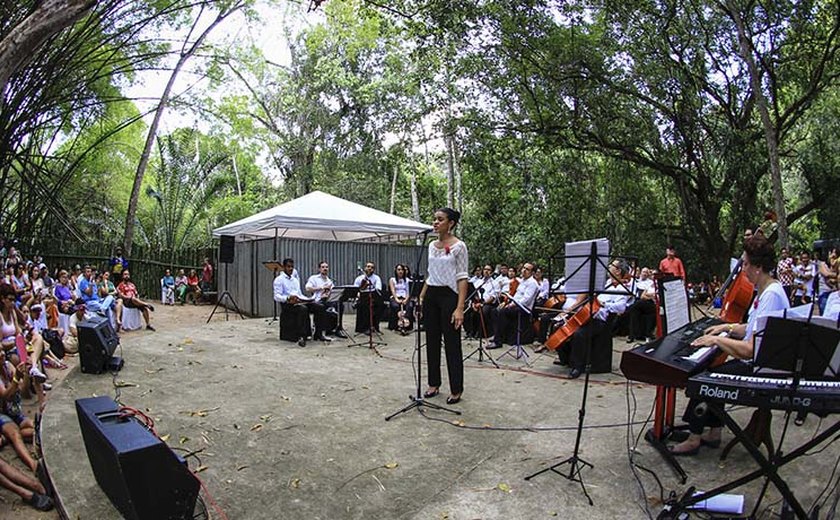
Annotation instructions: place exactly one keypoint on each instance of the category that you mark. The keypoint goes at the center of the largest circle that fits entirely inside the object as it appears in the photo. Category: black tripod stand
(575, 462)
(417, 400)
(225, 294)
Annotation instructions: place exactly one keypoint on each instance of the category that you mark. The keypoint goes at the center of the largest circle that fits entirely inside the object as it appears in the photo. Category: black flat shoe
(40, 502)
(431, 393)
(574, 373)
(453, 400)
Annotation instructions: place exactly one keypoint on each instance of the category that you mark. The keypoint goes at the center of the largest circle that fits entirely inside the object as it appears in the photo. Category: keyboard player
(759, 259)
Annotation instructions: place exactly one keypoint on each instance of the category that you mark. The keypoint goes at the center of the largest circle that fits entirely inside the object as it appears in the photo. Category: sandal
(431, 393)
(453, 399)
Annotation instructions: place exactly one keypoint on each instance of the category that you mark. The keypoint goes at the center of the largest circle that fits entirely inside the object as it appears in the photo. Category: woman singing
(442, 300)
(736, 340)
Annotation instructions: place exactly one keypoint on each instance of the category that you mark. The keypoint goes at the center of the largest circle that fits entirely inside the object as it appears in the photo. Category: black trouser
(319, 312)
(364, 319)
(578, 345)
(438, 306)
(642, 318)
(697, 413)
(504, 318)
(298, 316)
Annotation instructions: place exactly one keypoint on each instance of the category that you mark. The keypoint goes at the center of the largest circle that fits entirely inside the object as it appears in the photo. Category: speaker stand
(225, 294)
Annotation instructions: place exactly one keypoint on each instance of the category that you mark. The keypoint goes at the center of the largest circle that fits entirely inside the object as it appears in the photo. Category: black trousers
(506, 320)
(297, 317)
(438, 306)
(577, 344)
(319, 313)
(363, 308)
(642, 318)
(478, 322)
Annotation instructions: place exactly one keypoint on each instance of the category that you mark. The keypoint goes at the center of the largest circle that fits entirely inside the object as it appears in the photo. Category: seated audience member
(130, 300)
(181, 286)
(613, 304)
(89, 290)
(478, 318)
(71, 341)
(11, 327)
(643, 310)
(515, 311)
(167, 286)
(14, 425)
(39, 290)
(193, 290)
(20, 282)
(370, 296)
(76, 277)
(41, 326)
(287, 292)
(400, 305)
(63, 293)
(26, 487)
(320, 285)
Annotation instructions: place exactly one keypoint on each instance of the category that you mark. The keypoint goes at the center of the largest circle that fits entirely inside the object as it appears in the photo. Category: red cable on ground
(210, 497)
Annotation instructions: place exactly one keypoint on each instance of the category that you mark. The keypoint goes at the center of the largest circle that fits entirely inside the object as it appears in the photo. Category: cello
(577, 320)
(738, 294)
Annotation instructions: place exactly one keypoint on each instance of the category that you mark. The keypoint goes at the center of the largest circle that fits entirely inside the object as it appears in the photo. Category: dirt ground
(11, 506)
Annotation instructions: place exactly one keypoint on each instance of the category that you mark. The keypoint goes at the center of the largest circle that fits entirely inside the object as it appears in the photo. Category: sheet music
(577, 254)
(675, 303)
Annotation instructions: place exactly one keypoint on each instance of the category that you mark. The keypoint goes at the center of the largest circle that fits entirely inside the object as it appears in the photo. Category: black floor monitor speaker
(141, 475)
(227, 243)
(97, 342)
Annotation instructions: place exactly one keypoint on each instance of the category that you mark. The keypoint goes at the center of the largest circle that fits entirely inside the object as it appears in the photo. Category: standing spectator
(671, 264)
(824, 280)
(207, 276)
(118, 264)
(784, 271)
(804, 274)
(643, 311)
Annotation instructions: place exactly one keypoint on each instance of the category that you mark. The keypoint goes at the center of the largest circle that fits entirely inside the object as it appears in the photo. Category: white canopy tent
(321, 216)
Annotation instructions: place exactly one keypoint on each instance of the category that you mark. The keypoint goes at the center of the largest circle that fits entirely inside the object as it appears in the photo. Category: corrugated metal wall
(250, 282)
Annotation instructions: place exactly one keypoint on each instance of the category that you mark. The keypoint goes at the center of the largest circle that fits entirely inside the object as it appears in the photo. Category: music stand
(593, 261)
(516, 348)
(417, 400)
(225, 294)
(341, 294)
(480, 350)
(274, 266)
(371, 329)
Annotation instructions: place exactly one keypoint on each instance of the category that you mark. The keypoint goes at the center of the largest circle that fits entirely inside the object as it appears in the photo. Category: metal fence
(250, 282)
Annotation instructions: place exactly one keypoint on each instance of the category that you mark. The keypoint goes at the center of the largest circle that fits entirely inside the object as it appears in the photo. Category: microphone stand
(417, 400)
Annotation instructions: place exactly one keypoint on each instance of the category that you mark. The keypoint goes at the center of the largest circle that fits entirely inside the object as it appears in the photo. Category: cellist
(613, 304)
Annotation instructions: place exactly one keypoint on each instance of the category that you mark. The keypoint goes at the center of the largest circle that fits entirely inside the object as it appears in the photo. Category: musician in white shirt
(510, 314)
(642, 312)
(320, 285)
(287, 293)
(370, 298)
(613, 303)
(477, 319)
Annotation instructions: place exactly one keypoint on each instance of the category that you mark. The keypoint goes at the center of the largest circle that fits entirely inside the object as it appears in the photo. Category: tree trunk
(415, 200)
(21, 44)
(394, 187)
(770, 135)
(130, 216)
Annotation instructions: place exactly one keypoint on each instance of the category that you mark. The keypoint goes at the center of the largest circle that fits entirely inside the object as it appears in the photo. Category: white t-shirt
(773, 298)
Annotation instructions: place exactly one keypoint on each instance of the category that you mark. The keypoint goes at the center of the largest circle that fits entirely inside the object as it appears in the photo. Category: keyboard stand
(768, 469)
(663, 427)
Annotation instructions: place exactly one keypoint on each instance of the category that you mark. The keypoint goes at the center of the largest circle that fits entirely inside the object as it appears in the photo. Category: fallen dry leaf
(184, 439)
(256, 427)
(294, 483)
(391, 465)
(200, 468)
(504, 487)
(165, 438)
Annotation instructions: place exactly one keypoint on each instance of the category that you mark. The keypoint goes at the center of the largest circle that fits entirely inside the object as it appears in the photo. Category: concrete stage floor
(290, 432)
